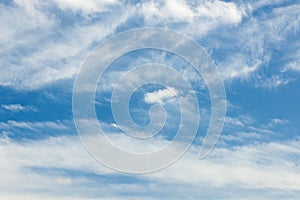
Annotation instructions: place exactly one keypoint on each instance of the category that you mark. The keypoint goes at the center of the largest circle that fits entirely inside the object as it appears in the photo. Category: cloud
(263, 167)
(33, 125)
(279, 121)
(178, 10)
(64, 180)
(47, 50)
(293, 58)
(237, 66)
(160, 96)
(294, 65)
(245, 130)
(162, 11)
(248, 50)
(18, 108)
(33, 129)
(42, 42)
(195, 18)
(87, 8)
(227, 12)
(273, 82)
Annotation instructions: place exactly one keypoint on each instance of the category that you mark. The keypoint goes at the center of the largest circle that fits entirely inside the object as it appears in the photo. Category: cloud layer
(51, 39)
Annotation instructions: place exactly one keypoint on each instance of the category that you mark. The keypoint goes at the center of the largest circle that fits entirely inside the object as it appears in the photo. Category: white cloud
(87, 7)
(241, 137)
(10, 125)
(39, 50)
(160, 96)
(273, 82)
(267, 167)
(179, 10)
(279, 121)
(226, 12)
(244, 45)
(294, 57)
(237, 66)
(49, 51)
(18, 108)
(176, 10)
(294, 65)
(195, 18)
(46, 50)
(246, 50)
(275, 122)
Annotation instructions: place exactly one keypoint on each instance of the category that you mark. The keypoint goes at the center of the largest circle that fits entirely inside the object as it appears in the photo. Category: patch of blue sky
(269, 8)
(52, 103)
(273, 110)
(50, 116)
(6, 2)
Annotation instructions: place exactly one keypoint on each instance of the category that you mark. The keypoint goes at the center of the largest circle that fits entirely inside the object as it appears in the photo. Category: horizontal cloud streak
(272, 165)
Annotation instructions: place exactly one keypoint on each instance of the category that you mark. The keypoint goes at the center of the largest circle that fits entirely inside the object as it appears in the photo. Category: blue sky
(254, 44)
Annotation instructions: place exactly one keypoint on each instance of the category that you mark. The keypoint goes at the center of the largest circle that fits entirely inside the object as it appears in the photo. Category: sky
(254, 46)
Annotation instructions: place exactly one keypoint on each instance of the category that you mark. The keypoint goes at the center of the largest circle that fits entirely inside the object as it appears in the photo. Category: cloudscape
(149, 99)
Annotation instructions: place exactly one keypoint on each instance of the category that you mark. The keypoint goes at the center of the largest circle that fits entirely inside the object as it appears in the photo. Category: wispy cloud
(18, 108)
(49, 50)
(272, 166)
(33, 129)
(33, 125)
(87, 8)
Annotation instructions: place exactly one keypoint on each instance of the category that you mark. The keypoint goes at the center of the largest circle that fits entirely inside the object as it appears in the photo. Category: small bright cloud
(160, 96)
